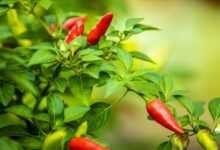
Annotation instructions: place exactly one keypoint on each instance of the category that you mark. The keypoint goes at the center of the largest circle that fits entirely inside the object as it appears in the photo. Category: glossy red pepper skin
(99, 30)
(82, 143)
(161, 114)
(68, 25)
(74, 32)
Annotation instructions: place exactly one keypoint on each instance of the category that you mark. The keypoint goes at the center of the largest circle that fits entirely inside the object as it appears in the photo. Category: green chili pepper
(179, 142)
(206, 140)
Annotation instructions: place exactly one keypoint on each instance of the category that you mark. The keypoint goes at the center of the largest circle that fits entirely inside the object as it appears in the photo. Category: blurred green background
(188, 47)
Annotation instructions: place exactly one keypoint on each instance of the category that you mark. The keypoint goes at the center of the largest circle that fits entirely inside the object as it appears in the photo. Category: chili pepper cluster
(75, 28)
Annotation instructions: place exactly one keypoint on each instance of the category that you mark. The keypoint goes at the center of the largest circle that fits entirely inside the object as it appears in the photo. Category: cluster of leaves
(46, 85)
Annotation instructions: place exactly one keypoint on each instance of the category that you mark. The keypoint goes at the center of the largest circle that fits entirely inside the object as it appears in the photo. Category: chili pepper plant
(50, 67)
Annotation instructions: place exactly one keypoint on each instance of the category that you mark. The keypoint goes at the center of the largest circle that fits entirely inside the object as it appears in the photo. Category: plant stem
(118, 101)
(215, 123)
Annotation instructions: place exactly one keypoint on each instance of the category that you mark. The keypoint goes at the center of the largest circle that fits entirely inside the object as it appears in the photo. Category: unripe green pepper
(53, 141)
(206, 140)
(179, 142)
(15, 24)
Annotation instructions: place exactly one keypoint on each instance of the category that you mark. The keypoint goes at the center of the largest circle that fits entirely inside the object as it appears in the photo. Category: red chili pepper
(68, 25)
(82, 143)
(99, 30)
(161, 114)
(75, 32)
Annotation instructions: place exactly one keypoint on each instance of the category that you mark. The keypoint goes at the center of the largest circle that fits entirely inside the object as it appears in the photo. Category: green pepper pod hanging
(179, 142)
(206, 140)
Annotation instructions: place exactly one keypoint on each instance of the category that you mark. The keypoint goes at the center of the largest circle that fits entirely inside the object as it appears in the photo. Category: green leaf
(3, 64)
(125, 57)
(165, 146)
(41, 46)
(184, 120)
(42, 57)
(178, 93)
(143, 27)
(74, 113)
(114, 36)
(143, 87)
(5, 32)
(3, 10)
(107, 67)
(46, 3)
(195, 108)
(91, 57)
(130, 23)
(8, 144)
(55, 106)
(6, 93)
(10, 119)
(200, 124)
(20, 110)
(217, 136)
(13, 130)
(153, 77)
(12, 56)
(67, 74)
(78, 42)
(90, 51)
(30, 143)
(42, 117)
(188, 104)
(105, 44)
(93, 71)
(60, 84)
(138, 28)
(23, 79)
(98, 116)
(81, 88)
(166, 86)
(111, 87)
(199, 109)
(8, 2)
(141, 56)
(214, 108)
(139, 73)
